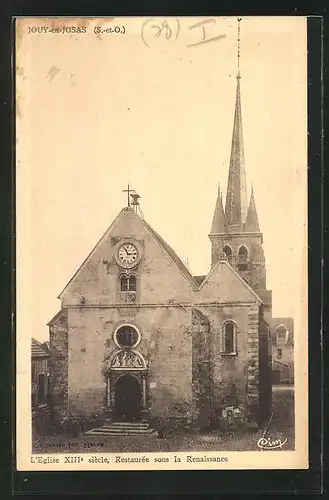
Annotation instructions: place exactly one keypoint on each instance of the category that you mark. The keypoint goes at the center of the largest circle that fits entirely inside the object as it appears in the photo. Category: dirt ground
(281, 427)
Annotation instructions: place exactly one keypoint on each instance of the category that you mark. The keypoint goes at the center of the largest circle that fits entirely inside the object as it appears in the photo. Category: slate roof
(60, 316)
(236, 195)
(218, 222)
(275, 361)
(199, 279)
(252, 224)
(39, 350)
(180, 264)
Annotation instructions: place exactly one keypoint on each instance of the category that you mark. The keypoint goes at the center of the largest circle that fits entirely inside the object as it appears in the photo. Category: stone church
(139, 338)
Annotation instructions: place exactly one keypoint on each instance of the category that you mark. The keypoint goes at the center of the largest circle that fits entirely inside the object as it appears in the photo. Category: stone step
(126, 429)
(122, 435)
(117, 432)
(123, 429)
(127, 422)
(127, 425)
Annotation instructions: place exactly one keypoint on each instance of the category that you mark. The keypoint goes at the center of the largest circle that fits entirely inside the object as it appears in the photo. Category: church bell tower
(235, 234)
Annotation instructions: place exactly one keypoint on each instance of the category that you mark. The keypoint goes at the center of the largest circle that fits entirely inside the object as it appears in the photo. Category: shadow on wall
(45, 422)
(283, 406)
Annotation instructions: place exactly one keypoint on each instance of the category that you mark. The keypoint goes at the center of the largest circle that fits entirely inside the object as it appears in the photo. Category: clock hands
(128, 254)
(123, 250)
(133, 252)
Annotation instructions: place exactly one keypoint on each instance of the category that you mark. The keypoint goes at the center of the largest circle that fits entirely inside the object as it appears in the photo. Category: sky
(154, 107)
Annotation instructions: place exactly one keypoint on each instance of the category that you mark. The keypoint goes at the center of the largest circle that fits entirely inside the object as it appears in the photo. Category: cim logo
(270, 444)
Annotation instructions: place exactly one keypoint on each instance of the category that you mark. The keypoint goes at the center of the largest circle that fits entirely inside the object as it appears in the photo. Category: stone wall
(39, 366)
(166, 342)
(253, 365)
(228, 372)
(58, 363)
(158, 278)
(161, 311)
(256, 272)
(202, 370)
(224, 286)
(265, 369)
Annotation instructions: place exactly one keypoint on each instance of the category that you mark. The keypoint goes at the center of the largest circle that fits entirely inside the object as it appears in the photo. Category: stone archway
(126, 371)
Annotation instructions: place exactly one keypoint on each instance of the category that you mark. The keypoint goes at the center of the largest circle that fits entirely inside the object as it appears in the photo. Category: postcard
(161, 213)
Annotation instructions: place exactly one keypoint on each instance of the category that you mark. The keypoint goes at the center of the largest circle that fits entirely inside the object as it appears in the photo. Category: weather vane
(239, 19)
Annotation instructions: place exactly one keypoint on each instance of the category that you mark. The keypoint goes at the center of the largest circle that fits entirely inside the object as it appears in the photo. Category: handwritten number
(204, 39)
(165, 26)
(165, 30)
(202, 23)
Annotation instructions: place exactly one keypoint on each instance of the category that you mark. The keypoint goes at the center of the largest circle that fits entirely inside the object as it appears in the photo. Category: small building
(282, 350)
(40, 355)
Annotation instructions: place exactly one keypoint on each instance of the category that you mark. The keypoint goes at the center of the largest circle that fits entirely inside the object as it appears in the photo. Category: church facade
(139, 338)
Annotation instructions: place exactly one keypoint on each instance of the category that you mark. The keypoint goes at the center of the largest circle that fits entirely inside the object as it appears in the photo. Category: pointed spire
(238, 44)
(236, 197)
(218, 222)
(252, 224)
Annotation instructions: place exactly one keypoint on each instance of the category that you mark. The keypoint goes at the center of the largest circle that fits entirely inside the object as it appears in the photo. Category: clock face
(127, 254)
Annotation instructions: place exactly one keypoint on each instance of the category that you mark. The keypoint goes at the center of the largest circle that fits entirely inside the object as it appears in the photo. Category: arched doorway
(127, 398)
(41, 388)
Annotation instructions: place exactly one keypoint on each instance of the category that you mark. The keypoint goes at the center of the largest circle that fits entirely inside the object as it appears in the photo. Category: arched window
(281, 334)
(127, 336)
(229, 333)
(132, 283)
(128, 283)
(124, 283)
(243, 259)
(228, 252)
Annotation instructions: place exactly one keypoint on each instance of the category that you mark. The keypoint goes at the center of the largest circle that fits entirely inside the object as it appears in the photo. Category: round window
(127, 336)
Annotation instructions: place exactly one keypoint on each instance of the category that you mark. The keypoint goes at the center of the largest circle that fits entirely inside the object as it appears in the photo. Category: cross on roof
(128, 191)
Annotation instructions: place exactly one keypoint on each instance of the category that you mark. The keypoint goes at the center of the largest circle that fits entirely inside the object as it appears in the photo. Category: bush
(176, 417)
(73, 426)
(41, 423)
